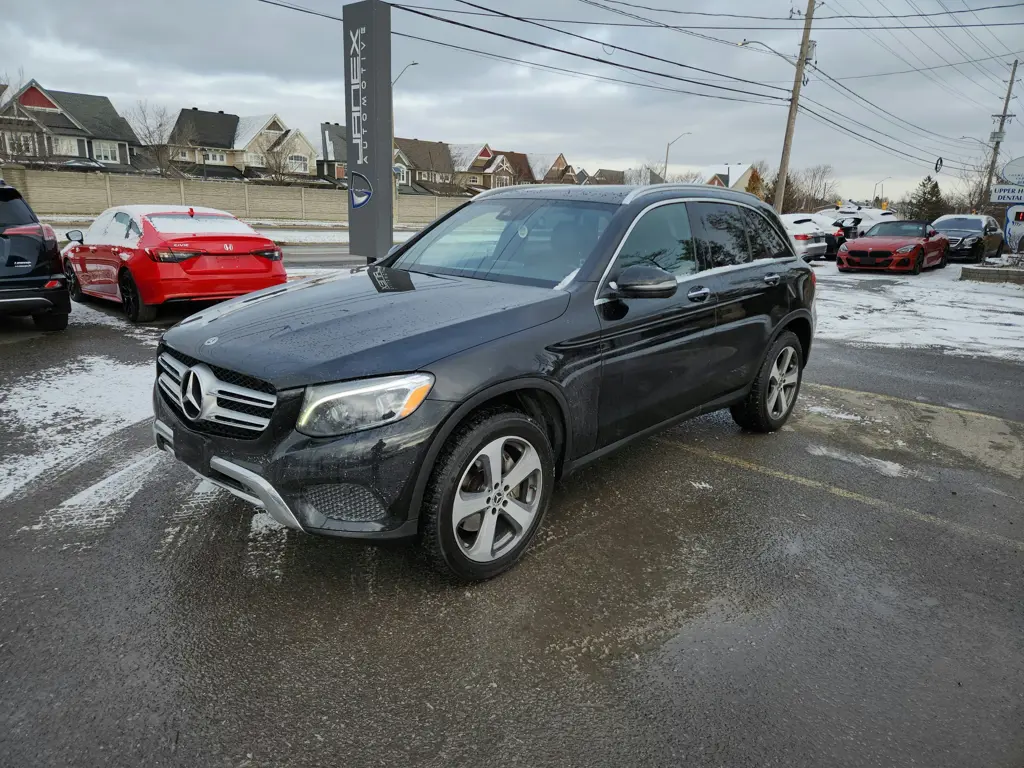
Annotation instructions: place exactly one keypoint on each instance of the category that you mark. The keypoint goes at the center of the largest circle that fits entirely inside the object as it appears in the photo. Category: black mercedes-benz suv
(442, 391)
(31, 279)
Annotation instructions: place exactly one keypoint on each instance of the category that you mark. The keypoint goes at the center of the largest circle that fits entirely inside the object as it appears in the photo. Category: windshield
(200, 223)
(958, 223)
(528, 241)
(897, 229)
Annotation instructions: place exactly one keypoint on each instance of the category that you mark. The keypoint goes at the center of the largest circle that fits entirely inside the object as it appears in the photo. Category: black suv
(31, 279)
(443, 390)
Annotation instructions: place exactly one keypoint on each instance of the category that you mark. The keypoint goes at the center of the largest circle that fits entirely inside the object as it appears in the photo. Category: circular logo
(210, 341)
(191, 394)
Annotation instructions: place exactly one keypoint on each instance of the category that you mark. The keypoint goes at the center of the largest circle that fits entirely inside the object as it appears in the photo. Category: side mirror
(74, 236)
(643, 281)
(932, 233)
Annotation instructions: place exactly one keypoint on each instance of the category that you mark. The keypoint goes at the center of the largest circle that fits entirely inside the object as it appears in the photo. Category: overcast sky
(247, 57)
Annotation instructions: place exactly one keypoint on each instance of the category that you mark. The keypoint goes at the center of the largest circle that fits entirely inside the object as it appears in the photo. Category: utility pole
(794, 105)
(1002, 124)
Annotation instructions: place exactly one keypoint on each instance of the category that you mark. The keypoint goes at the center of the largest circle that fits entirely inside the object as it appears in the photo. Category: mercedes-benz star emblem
(192, 394)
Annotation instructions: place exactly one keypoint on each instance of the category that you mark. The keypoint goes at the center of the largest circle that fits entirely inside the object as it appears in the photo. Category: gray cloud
(246, 57)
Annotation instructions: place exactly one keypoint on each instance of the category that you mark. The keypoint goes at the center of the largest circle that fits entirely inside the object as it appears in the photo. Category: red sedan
(145, 256)
(895, 246)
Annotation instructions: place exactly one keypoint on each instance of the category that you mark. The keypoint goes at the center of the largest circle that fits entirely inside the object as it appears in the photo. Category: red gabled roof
(33, 97)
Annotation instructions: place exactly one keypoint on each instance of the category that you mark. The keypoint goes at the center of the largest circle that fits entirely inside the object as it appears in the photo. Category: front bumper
(33, 301)
(899, 262)
(809, 251)
(359, 485)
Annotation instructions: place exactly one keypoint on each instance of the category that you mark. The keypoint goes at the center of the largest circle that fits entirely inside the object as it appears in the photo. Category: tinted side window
(13, 210)
(721, 233)
(120, 227)
(765, 241)
(661, 237)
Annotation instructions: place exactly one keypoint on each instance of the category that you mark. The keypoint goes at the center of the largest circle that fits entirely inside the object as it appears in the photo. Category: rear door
(654, 351)
(751, 270)
(993, 236)
(88, 258)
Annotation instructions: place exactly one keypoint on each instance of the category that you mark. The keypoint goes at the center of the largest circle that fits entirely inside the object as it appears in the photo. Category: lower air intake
(346, 502)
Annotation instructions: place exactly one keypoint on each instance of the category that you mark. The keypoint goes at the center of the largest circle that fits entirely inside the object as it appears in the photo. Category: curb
(993, 274)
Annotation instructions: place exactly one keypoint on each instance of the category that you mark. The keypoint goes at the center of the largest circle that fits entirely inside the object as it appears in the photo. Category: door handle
(92, 249)
(772, 279)
(699, 293)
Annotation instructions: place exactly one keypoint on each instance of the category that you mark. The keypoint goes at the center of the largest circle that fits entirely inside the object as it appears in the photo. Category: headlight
(969, 242)
(906, 249)
(843, 247)
(336, 409)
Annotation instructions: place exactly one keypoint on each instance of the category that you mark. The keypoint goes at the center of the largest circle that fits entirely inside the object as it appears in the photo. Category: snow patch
(84, 316)
(184, 521)
(264, 551)
(59, 414)
(100, 505)
(887, 468)
(832, 413)
(935, 309)
(301, 235)
(701, 486)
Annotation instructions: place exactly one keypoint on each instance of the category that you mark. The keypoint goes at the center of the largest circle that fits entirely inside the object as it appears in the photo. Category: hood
(890, 243)
(961, 233)
(367, 321)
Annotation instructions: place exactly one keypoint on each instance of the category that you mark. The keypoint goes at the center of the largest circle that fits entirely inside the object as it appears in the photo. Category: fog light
(903, 263)
(53, 284)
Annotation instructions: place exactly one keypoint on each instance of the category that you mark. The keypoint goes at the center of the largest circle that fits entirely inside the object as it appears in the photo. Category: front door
(655, 351)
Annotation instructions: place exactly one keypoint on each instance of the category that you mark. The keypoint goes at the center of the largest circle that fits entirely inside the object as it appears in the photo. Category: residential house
(551, 169)
(426, 168)
(605, 176)
(732, 175)
(334, 140)
(71, 129)
(479, 167)
(219, 145)
(643, 176)
(582, 175)
(518, 165)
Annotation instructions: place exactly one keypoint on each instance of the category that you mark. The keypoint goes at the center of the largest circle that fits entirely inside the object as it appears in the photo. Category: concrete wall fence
(68, 193)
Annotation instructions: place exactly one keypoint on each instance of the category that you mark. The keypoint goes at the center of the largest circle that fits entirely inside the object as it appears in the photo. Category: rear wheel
(999, 250)
(134, 308)
(50, 321)
(487, 495)
(74, 287)
(773, 395)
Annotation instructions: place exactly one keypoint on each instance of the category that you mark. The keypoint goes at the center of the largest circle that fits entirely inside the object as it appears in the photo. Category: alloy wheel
(72, 278)
(129, 296)
(782, 383)
(497, 499)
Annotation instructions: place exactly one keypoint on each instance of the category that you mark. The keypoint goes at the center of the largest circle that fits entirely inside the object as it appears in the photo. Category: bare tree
(819, 186)
(154, 125)
(968, 189)
(687, 177)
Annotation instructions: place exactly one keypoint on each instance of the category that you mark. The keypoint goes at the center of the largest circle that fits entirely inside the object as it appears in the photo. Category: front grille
(228, 377)
(225, 409)
(871, 254)
(345, 501)
(954, 241)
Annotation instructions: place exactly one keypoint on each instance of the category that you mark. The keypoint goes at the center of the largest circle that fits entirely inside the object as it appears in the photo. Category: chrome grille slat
(222, 396)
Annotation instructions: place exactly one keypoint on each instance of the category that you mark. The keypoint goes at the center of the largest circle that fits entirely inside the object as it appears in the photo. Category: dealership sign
(1013, 172)
(1007, 193)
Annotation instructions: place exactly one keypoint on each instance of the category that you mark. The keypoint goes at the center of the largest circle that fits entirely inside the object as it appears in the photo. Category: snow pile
(934, 309)
(55, 417)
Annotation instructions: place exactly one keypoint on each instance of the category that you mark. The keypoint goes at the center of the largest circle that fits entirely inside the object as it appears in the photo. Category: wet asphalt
(846, 592)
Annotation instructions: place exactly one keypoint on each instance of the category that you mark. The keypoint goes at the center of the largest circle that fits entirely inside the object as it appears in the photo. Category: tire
(453, 546)
(74, 287)
(945, 258)
(978, 254)
(134, 308)
(918, 264)
(50, 321)
(760, 412)
(999, 250)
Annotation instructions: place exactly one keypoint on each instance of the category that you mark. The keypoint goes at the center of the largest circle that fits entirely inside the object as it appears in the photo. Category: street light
(876, 187)
(394, 179)
(667, 146)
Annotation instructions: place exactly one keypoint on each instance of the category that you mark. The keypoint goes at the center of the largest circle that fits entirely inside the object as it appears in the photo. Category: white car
(856, 219)
(808, 237)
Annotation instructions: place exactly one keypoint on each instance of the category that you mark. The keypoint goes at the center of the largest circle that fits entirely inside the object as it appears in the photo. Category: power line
(925, 69)
(604, 61)
(799, 19)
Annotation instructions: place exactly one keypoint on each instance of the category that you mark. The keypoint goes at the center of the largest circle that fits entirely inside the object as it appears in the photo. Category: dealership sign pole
(367, 30)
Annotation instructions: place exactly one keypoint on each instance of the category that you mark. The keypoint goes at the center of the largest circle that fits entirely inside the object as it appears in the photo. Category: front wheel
(918, 264)
(487, 495)
(134, 308)
(945, 258)
(773, 395)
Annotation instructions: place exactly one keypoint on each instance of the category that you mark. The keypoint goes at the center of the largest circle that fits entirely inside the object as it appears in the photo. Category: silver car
(808, 238)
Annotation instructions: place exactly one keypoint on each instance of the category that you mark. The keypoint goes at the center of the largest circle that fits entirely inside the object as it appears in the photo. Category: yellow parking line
(892, 398)
(869, 501)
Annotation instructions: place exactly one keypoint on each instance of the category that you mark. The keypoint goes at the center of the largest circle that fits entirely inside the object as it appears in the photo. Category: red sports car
(895, 246)
(145, 256)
